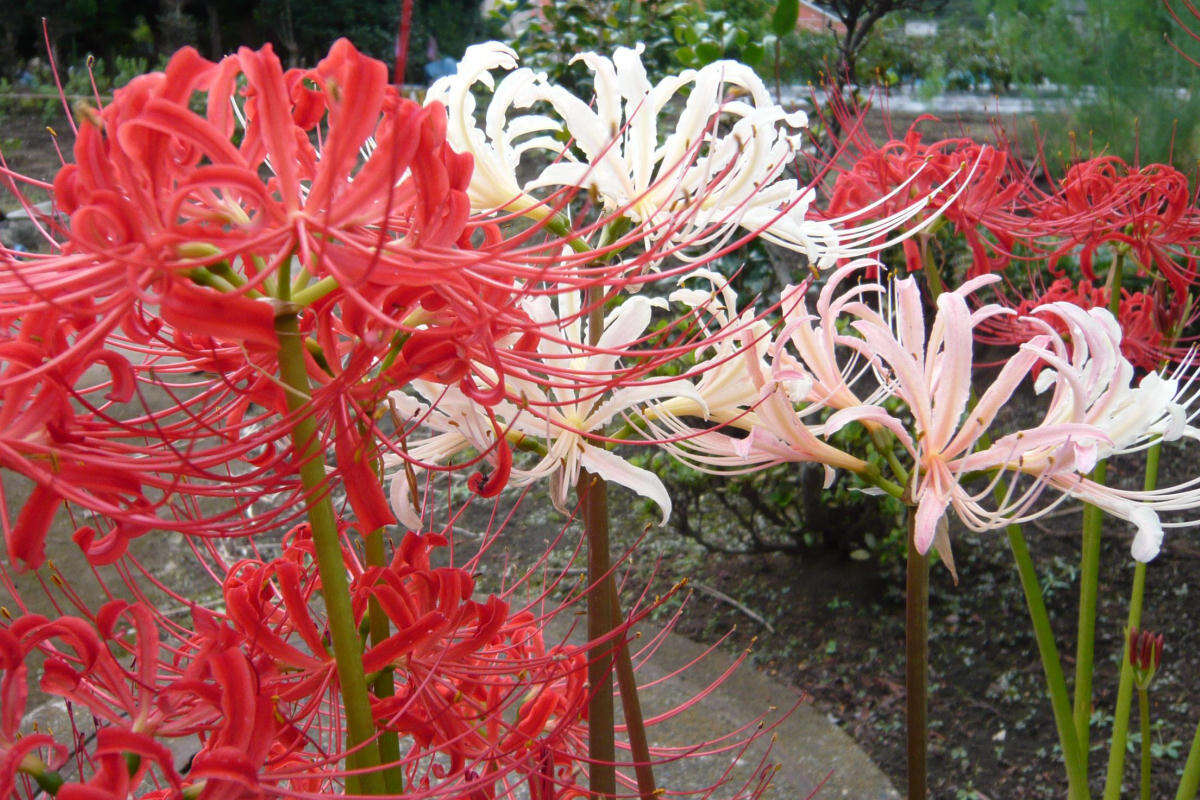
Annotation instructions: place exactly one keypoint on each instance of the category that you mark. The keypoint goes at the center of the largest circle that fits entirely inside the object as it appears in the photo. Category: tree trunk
(214, 33)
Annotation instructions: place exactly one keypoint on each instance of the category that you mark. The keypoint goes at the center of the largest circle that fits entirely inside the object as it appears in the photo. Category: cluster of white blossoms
(690, 159)
(759, 394)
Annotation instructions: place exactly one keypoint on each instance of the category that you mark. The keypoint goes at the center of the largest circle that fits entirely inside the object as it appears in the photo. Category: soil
(834, 626)
(838, 634)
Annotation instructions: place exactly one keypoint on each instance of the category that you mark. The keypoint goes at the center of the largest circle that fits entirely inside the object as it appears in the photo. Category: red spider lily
(485, 703)
(160, 198)
(458, 662)
(1148, 212)
(163, 199)
(974, 186)
(158, 190)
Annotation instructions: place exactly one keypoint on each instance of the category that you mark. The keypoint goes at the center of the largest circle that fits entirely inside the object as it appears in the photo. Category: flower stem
(1190, 782)
(916, 640)
(1144, 717)
(631, 704)
(558, 224)
(1116, 750)
(1089, 580)
(932, 275)
(1056, 683)
(602, 750)
(311, 294)
(384, 684)
(347, 649)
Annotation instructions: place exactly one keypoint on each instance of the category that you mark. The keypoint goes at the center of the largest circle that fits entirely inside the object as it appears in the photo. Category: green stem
(916, 673)
(347, 648)
(1089, 581)
(932, 276)
(314, 292)
(204, 277)
(1190, 782)
(1114, 777)
(1120, 735)
(870, 474)
(885, 444)
(384, 684)
(1144, 717)
(1056, 683)
(558, 224)
(48, 780)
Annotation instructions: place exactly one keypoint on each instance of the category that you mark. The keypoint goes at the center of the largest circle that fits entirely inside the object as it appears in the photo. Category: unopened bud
(1145, 655)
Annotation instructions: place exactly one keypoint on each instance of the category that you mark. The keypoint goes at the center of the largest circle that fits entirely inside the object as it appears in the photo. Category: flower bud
(1145, 655)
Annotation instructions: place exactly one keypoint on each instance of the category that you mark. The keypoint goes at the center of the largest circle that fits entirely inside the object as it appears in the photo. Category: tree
(859, 17)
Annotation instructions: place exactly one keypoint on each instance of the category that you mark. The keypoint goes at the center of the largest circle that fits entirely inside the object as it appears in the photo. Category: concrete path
(815, 758)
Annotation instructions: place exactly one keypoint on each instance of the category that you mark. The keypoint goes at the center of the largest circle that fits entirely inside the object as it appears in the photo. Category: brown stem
(602, 750)
(916, 640)
(631, 704)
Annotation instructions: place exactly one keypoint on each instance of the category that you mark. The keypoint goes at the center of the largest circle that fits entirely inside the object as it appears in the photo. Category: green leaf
(685, 56)
(709, 52)
(753, 53)
(783, 21)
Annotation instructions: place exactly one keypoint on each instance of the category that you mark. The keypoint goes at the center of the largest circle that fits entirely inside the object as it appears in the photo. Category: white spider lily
(689, 182)
(569, 422)
(499, 147)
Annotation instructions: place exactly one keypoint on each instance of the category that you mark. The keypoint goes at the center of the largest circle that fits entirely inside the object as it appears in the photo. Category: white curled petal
(615, 469)
(403, 503)
(1148, 540)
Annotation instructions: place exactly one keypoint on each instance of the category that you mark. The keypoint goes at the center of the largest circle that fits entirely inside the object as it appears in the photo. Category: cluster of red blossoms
(479, 698)
(1064, 242)
(240, 265)
(179, 235)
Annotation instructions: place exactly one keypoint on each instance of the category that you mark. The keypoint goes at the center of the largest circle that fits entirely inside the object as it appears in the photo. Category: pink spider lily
(1093, 412)
(752, 384)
